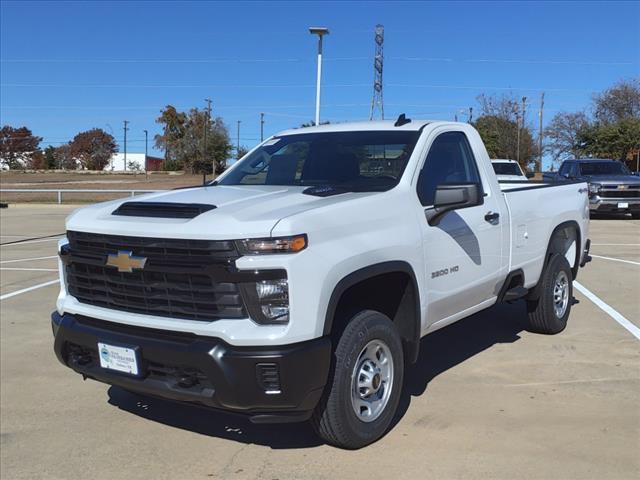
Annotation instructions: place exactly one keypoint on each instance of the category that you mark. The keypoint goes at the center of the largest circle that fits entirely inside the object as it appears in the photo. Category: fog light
(276, 313)
(273, 290)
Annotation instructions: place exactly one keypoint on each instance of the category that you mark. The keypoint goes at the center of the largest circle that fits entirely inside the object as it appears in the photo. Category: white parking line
(28, 259)
(31, 241)
(615, 244)
(25, 290)
(615, 259)
(613, 313)
(29, 269)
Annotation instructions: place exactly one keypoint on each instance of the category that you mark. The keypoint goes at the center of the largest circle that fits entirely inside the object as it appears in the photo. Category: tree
(618, 102)
(563, 135)
(184, 140)
(241, 151)
(615, 140)
(93, 148)
(498, 126)
(50, 158)
(64, 158)
(17, 145)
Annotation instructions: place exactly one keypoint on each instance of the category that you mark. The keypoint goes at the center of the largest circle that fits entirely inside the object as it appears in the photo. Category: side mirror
(453, 197)
(530, 174)
(566, 175)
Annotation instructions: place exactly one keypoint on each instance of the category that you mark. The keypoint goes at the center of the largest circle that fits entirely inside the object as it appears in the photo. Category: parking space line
(615, 244)
(15, 269)
(4, 245)
(25, 290)
(615, 259)
(28, 259)
(609, 310)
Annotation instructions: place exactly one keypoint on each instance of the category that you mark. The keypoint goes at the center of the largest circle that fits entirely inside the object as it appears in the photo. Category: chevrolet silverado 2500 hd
(298, 284)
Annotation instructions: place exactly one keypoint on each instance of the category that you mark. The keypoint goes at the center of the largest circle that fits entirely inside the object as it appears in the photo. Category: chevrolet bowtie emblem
(622, 187)
(125, 261)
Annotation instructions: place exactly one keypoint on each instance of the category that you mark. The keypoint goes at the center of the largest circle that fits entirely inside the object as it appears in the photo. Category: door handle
(491, 217)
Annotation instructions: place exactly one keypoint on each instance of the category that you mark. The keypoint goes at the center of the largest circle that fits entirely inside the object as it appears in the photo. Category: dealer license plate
(623, 205)
(121, 359)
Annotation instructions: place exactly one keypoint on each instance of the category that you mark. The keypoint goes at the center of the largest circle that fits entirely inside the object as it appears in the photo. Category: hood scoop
(162, 209)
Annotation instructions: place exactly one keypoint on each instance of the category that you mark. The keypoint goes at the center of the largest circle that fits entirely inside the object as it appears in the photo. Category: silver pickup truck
(612, 186)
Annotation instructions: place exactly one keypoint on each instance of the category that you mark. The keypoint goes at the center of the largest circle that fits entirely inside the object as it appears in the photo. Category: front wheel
(363, 395)
(549, 313)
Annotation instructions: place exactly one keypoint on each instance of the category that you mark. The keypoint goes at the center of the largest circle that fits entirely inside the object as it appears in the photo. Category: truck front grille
(185, 279)
(614, 191)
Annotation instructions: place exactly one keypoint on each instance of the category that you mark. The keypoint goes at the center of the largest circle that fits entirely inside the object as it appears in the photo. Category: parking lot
(487, 399)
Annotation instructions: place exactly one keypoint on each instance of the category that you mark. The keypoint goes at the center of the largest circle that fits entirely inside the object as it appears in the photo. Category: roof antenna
(402, 120)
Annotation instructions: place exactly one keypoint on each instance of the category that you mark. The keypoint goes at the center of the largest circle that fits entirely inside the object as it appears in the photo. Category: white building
(135, 162)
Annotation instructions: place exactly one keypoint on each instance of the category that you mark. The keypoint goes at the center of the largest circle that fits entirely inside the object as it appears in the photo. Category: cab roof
(413, 125)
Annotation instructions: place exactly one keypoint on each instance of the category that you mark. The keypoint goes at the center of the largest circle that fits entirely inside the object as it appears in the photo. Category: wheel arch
(404, 309)
(552, 248)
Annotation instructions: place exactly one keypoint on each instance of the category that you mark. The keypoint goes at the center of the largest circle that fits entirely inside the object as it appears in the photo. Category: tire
(368, 339)
(548, 314)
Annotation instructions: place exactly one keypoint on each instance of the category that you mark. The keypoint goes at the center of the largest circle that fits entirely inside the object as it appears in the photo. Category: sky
(71, 66)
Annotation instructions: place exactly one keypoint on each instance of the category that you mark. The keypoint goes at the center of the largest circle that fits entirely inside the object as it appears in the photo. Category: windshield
(358, 161)
(604, 168)
(506, 168)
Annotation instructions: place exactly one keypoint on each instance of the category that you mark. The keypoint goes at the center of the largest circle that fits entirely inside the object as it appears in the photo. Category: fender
(411, 333)
(534, 293)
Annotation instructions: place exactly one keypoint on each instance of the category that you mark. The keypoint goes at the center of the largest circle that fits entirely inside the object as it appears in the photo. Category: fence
(65, 190)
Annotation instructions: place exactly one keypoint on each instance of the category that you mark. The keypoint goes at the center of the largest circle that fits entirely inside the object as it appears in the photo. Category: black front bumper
(271, 384)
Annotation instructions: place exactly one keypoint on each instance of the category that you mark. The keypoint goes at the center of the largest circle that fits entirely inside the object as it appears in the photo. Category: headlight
(594, 189)
(267, 301)
(259, 246)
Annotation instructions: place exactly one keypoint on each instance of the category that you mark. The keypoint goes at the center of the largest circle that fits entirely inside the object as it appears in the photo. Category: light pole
(146, 152)
(320, 31)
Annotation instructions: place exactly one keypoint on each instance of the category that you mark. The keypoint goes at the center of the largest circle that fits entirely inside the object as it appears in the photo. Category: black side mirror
(566, 175)
(530, 174)
(453, 197)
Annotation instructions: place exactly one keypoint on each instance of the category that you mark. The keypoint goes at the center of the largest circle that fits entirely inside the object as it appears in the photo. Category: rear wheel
(549, 313)
(362, 397)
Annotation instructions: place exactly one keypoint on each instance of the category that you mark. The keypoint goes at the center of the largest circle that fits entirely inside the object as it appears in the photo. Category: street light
(320, 31)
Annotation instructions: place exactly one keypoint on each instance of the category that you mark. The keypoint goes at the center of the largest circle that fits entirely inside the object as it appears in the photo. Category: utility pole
(204, 148)
(521, 125)
(146, 152)
(238, 142)
(518, 136)
(540, 134)
(377, 105)
(261, 127)
(126, 122)
(470, 114)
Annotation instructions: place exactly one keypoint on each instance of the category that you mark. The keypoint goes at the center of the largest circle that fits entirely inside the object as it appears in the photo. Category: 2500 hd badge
(445, 271)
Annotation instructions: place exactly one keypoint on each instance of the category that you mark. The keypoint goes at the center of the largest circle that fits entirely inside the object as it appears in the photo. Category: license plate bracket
(120, 358)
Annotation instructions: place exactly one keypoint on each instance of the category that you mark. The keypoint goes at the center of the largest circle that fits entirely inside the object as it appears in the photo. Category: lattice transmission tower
(377, 105)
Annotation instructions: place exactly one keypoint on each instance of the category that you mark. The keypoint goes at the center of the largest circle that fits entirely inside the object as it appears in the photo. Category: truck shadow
(439, 352)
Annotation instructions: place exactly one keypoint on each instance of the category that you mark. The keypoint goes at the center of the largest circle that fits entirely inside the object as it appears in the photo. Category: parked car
(509, 170)
(612, 186)
(298, 285)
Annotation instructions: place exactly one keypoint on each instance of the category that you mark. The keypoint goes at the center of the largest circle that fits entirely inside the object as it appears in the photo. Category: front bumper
(612, 205)
(270, 384)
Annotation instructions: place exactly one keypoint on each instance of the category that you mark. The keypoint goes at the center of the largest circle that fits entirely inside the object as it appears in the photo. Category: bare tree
(563, 135)
(618, 102)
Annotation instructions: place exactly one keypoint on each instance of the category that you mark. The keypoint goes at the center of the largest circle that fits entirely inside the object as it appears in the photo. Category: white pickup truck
(298, 285)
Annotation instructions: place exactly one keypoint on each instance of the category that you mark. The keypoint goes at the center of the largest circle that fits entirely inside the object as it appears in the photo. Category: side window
(450, 161)
(564, 168)
(575, 169)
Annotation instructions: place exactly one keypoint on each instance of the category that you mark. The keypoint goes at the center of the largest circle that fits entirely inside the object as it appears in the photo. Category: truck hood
(613, 179)
(241, 212)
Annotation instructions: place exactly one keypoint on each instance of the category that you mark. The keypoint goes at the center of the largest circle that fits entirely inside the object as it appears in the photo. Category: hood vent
(162, 209)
